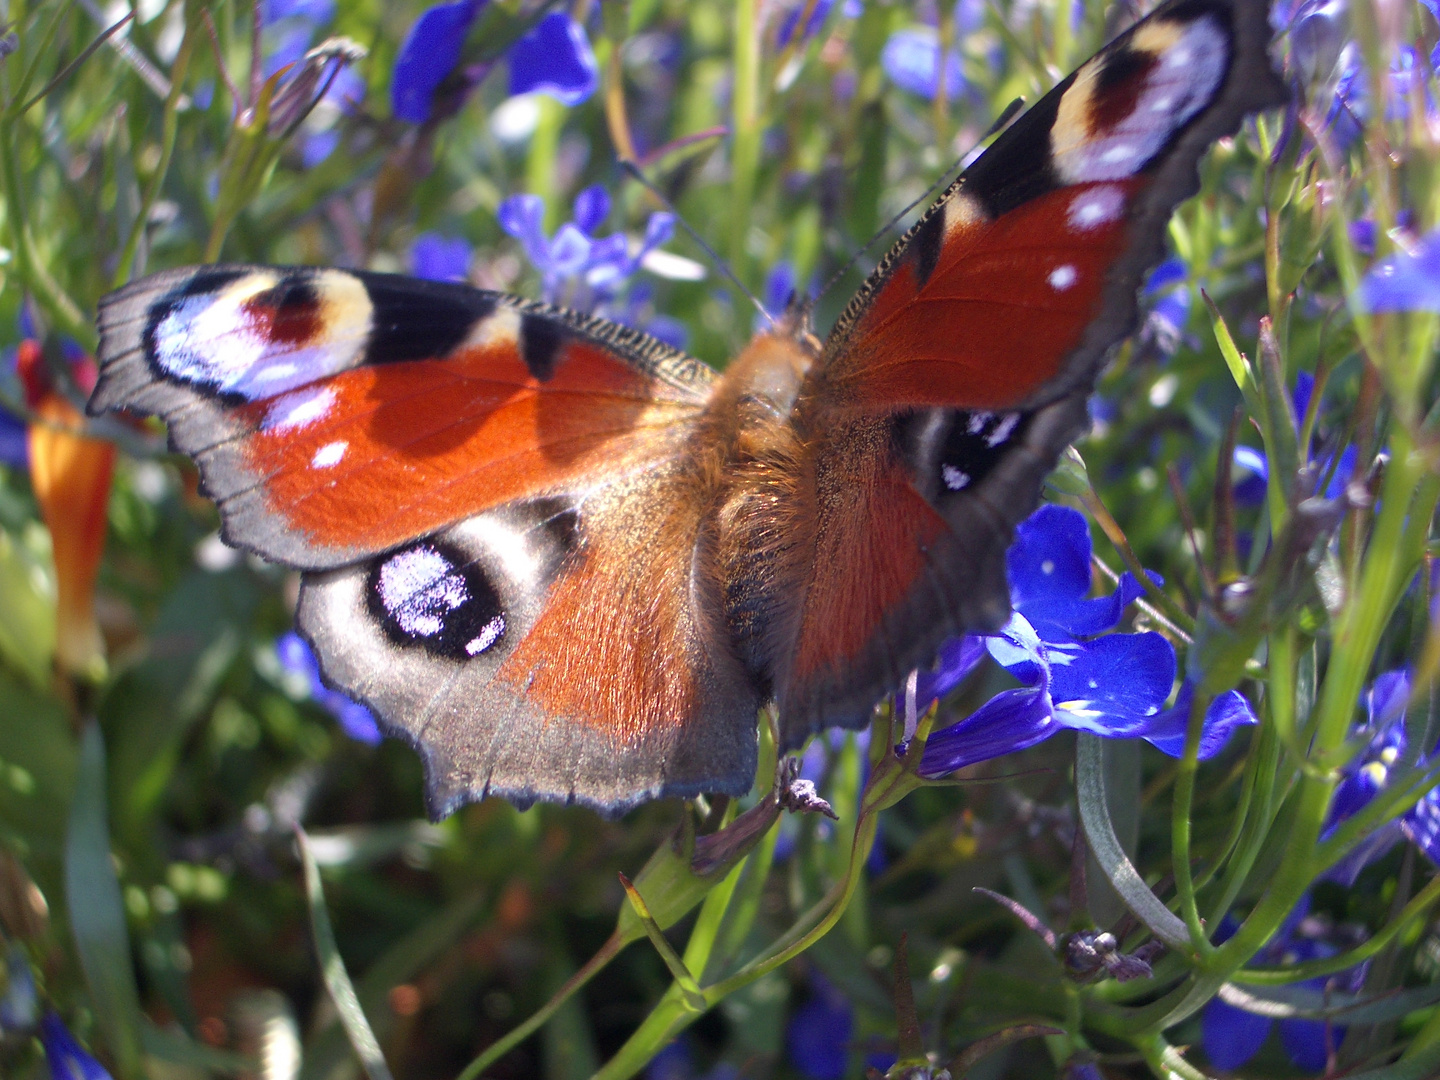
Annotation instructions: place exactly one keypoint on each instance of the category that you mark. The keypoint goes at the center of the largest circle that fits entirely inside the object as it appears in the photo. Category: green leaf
(1100, 832)
(332, 969)
(97, 914)
(27, 612)
(1283, 1002)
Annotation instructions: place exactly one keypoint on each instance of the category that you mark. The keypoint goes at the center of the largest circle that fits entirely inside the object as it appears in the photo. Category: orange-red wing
(335, 414)
(959, 372)
(1011, 289)
(1006, 303)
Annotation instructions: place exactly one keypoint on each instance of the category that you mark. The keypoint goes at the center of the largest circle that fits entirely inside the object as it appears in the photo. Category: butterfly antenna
(720, 264)
(1000, 123)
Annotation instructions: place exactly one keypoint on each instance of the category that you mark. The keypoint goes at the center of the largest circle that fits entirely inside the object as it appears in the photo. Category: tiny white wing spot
(1061, 278)
(329, 455)
(955, 479)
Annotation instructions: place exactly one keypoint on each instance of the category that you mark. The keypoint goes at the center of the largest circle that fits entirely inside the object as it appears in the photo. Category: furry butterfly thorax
(567, 562)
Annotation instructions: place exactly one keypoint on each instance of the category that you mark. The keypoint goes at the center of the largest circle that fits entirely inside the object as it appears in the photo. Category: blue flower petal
(1304, 1042)
(430, 52)
(318, 12)
(779, 285)
(1422, 826)
(14, 441)
(1407, 281)
(1019, 650)
(1169, 272)
(912, 60)
(290, 49)
(592, 207)
(1231, 1036)
(67, 1058)
(569, 251)
(1049, 570)
(1011, 720)
(1113, 685)
(1387, 697)
(355, 719)
(555, 58)
(317, 148)
(955, 660)
(1227, 712)
(671, 331)
(523, 217)
(812, 24)
(818, 1037)
(440, 258)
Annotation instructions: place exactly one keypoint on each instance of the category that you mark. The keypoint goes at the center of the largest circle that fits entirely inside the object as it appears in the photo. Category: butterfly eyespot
(974, 445)
(955, 479)
(430, 596)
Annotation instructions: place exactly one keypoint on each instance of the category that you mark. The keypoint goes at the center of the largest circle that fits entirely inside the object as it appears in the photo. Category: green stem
(64, 312)
(1419, 904)
(745, 128)
(169, 126)
(1180, 825)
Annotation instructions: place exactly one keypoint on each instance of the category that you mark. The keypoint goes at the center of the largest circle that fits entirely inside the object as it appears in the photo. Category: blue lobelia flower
(68, 1060)
(1406, 281)
(851, 9)
(555, 58)
(354, 719)
(440, 258)
(429, 53)
(1115, 685)
(817, 1038)
(1232, 1036)
(577, 268)
(911, 57)
(1169, 296)
(1385, 705)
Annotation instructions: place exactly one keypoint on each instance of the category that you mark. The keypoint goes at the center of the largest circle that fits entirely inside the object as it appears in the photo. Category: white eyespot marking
(489, 634)
(1095, 207)
(329, 455)
(1061, 278)
(978, 422)
(1048, 566)
(1189, 66)
(420, 588)
(299, 409)
(224, 336)
(1002, 430)
(955, 479)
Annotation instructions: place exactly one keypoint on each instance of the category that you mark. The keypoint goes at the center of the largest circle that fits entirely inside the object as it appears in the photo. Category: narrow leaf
(689, 988)
(1105, 845)
(97, 913)
(332, 968)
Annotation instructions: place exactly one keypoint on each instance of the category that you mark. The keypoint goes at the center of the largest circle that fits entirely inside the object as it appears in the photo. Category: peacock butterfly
(569, 563)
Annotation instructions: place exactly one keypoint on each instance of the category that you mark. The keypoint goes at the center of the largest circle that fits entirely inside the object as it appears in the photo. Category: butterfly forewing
(336, 414)
(995, 312)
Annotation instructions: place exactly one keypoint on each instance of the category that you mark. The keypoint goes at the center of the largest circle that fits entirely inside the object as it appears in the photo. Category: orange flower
(70, 474)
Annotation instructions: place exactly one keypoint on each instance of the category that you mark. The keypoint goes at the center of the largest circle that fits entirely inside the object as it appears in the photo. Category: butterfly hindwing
(494, 503)
(995, 312)
(556, 650)
(334, 414)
